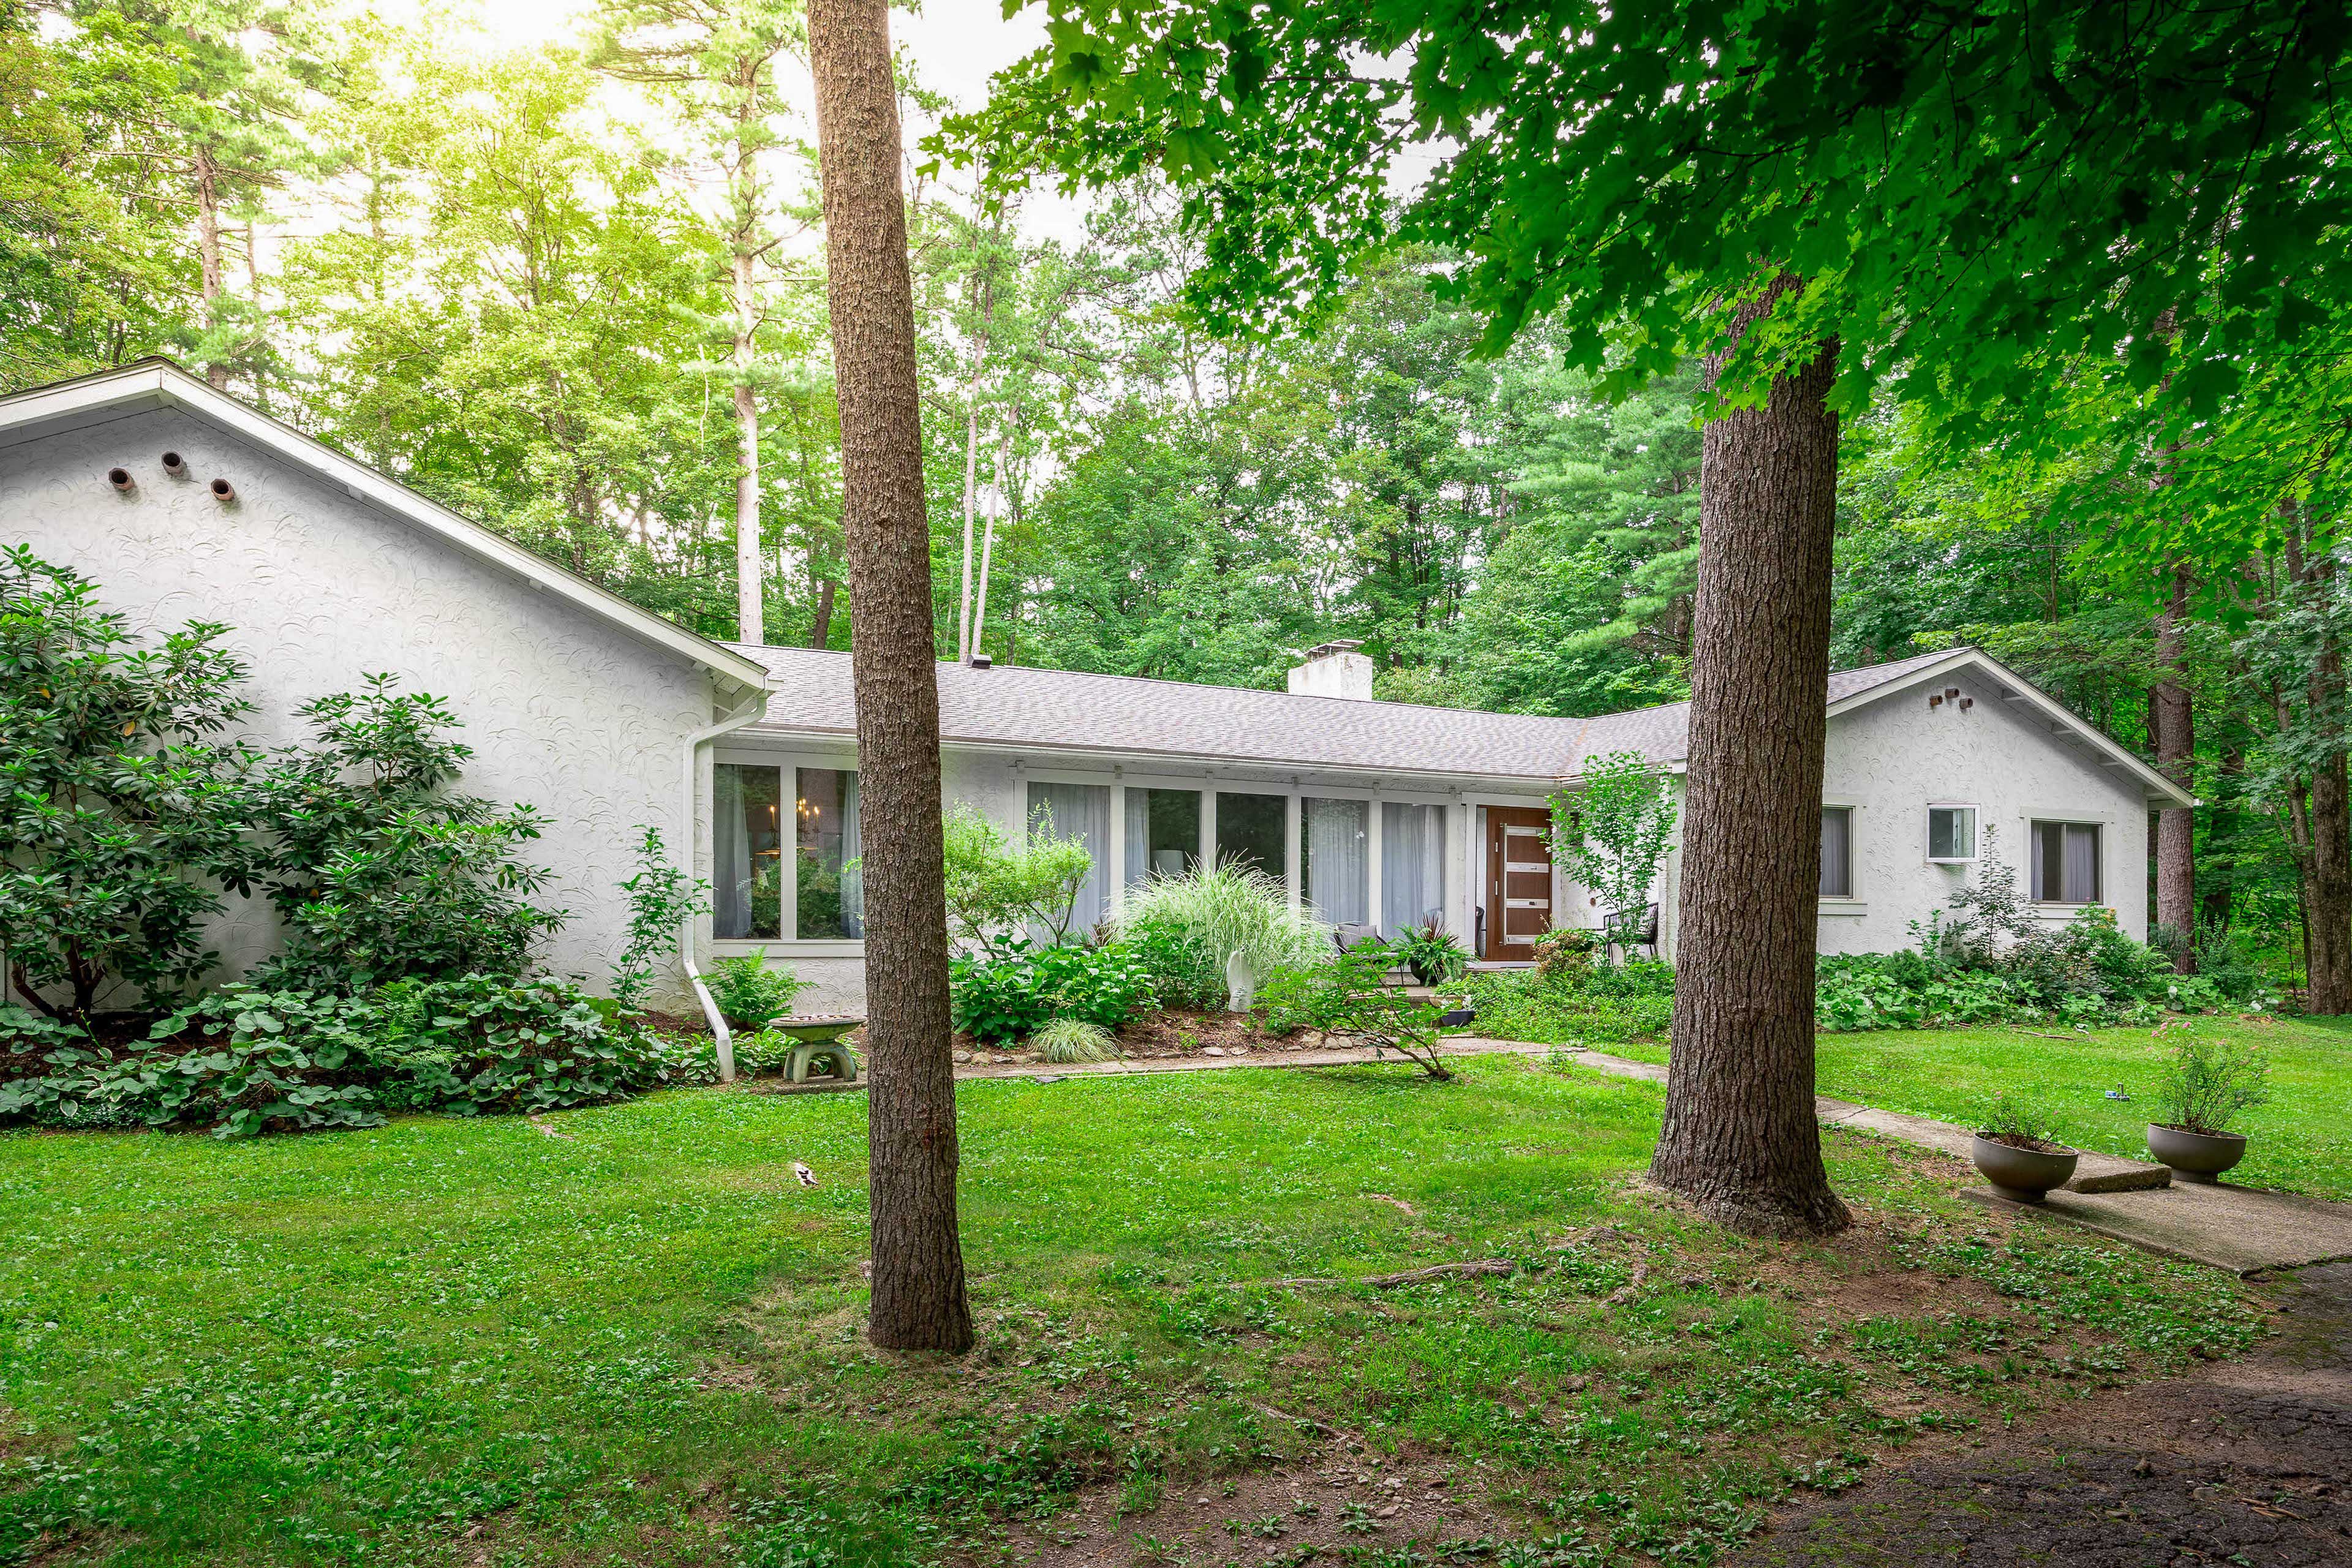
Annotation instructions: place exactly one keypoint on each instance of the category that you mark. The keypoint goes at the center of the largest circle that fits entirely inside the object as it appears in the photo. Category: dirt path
(2248, 1463)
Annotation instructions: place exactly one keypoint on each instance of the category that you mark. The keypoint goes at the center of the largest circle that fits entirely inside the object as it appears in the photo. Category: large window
(1163, 832)
(747, 852)
(1081, 812)
(1335, 860)
(1250, 830)
(2066, 862)
(1413, 865)
(829, 888)
(1837, 852)
(1951, 834)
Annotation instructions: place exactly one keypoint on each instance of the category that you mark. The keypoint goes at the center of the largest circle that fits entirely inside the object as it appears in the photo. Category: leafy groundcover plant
(246, 1061)
(1003, 998)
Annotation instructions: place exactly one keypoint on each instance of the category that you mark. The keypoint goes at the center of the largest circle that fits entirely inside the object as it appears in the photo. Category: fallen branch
(1387, 1281)
(1321, 1428)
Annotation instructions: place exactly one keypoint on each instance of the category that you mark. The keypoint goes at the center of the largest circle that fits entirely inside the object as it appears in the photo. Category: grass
(637, 1342)
(2300, 1142)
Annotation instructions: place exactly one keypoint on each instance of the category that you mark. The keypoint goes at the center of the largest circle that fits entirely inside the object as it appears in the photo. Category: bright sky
(956, 44)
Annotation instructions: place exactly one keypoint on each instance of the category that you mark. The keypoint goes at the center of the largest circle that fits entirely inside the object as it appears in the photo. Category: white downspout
(689, 840)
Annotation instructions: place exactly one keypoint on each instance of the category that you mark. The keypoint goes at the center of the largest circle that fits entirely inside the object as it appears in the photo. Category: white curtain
(1413, 865)
(1837, 864)
(1335, 862)
(1138, 869)
(730, 855)
(2081, 880)
(853, 867)
(1081, 812)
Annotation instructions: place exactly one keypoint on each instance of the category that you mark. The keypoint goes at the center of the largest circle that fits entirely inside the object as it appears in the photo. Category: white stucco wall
(1890, 759)
(564, 712)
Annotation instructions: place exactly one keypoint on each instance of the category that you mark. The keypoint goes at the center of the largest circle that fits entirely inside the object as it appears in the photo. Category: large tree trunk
(2328, 867)
(919, 1301)
(751, 613)
(1740, 1139)
(211, 279)
(2171, 723)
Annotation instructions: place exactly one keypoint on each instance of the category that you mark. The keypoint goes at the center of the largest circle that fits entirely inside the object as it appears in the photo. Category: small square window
(1952, 832)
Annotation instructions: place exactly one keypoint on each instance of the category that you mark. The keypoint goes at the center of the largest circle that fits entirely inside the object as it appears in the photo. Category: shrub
(380, 871)
(1564, 951)
(1350, 995)
(1229, 910)
(750, 990)
(1182, 972)
(1067, 1041)
(1613, 834)
(997, 892)
(120, 813)
(1632, 1001)
(1003, 998)
(2210, 1079)
(662, 898)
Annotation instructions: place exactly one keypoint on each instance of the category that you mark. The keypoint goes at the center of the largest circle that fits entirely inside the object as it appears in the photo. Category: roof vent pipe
(224, 491)
(175, 464)
(120, 479)
(981, 661)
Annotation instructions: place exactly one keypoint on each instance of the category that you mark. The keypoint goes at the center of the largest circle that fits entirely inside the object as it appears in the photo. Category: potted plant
(1434, 955)
(2208, 1082)
(2015, 1152)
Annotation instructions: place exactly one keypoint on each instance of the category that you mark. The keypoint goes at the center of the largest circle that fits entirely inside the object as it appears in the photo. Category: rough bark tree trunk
(211, 280)
(820, 627)
(1740, 1139)
(918, 1299)
(751, 610)
(2172, 721)
(2328, 980)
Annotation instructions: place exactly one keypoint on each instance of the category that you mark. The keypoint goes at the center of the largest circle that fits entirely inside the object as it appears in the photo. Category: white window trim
(841, 758)
(1976, 831)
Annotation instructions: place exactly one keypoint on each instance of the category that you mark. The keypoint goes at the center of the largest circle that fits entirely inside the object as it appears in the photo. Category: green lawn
(2301, 1141)
(452, 1342)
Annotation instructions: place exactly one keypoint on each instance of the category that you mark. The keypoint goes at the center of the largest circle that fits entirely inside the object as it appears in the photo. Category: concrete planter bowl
(2024, 1174)
(2196, 1156)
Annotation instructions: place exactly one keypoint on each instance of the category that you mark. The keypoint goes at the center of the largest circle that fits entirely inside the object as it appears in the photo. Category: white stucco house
(183, 504)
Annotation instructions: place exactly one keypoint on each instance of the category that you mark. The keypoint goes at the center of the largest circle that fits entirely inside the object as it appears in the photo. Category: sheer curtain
(1138, 869)
(730, 855)
(1837, 859)
(853, 867)
(2081, 880)
(1081, 812)
(1335, 862)
(1412, 864)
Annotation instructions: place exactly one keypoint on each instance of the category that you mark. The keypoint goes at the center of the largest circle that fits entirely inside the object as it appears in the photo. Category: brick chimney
(1334, 670)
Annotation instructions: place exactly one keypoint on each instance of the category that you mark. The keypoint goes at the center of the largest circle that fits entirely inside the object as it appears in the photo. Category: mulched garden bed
(1170, 1034)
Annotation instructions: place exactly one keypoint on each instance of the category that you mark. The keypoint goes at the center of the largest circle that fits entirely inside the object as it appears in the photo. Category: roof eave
(153, 384)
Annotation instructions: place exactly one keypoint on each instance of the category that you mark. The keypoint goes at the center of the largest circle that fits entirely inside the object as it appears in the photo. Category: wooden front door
(1518, 881)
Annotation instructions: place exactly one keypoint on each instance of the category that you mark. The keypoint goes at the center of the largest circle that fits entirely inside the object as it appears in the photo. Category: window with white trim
(1951, 834)
(2066, 862)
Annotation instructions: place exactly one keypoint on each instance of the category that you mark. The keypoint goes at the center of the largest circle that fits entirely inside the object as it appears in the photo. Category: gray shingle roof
(1662, 734)
(1055, 708)
(1020, 705)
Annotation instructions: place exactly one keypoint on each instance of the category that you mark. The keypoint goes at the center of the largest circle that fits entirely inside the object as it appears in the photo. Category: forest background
(569, 287)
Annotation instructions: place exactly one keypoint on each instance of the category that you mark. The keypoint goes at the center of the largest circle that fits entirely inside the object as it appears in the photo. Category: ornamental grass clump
(1240, 915)
(1067, 1042)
